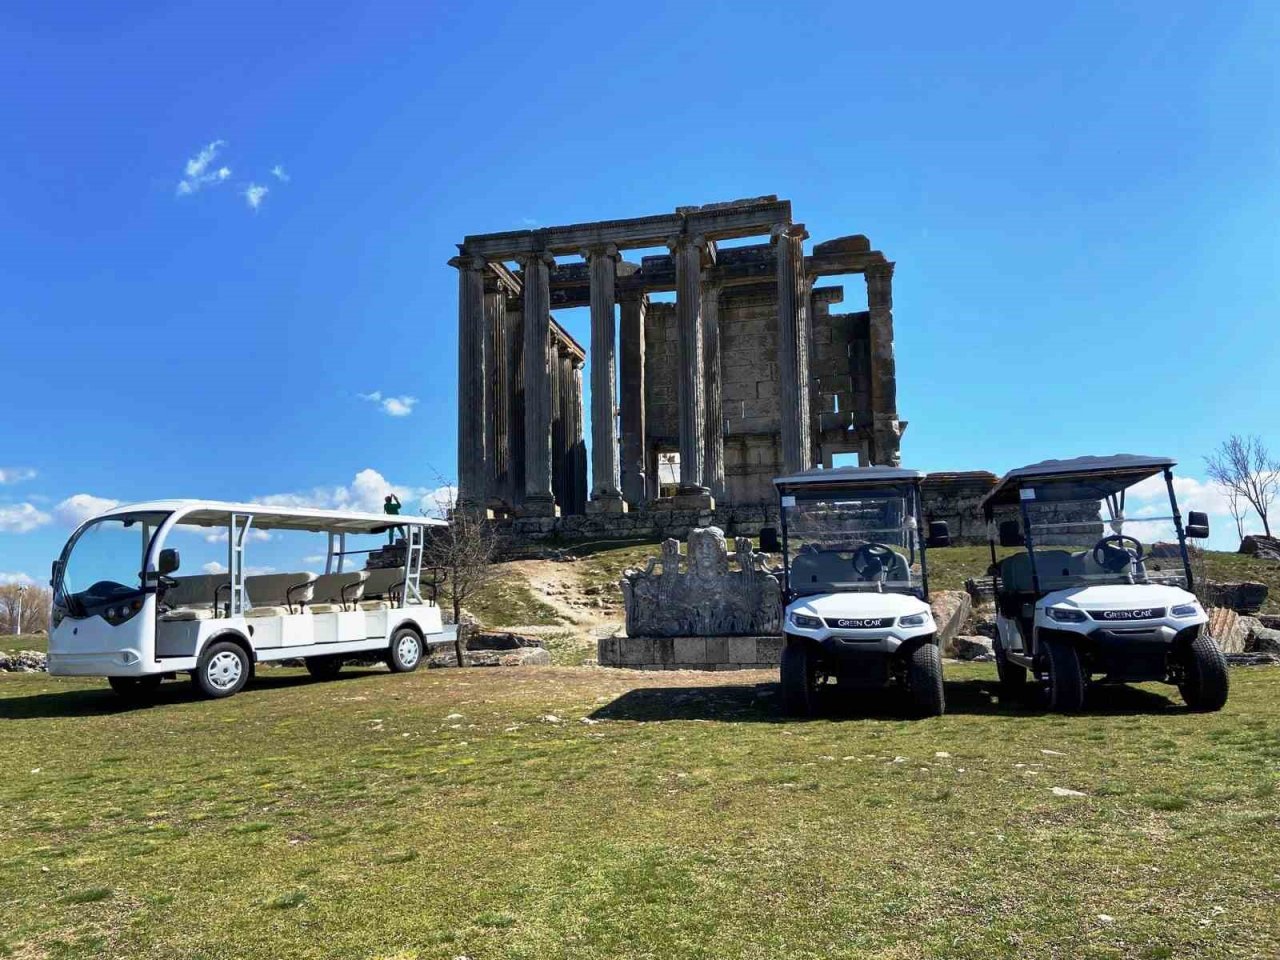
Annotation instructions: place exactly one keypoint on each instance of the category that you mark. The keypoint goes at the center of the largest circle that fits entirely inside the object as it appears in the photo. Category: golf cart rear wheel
(1013, 677)
(324, 668)
(405, 652)
(799, 679)
(924, 681)
(1064, 676)
(1204, 686)
(135, 688)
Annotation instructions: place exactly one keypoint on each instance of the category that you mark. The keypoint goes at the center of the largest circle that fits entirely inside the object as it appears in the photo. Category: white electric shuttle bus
(121, 612)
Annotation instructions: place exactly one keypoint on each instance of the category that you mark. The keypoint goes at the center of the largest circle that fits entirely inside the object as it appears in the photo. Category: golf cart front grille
(1127, 616)
(859, 623)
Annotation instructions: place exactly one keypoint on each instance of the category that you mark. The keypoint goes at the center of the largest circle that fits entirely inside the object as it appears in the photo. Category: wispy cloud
(16, 474)
(201, 172)
(21, 517)
(79, 507)
(366, 492)
(23, 579)
(400, 406)
(278, 172)
(254, 194)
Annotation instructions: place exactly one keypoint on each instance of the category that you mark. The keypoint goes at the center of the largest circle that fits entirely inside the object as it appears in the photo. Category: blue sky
(1081, 199)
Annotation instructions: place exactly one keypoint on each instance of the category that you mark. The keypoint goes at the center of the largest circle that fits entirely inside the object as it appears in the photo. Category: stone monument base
(606, 505)
(691, 653)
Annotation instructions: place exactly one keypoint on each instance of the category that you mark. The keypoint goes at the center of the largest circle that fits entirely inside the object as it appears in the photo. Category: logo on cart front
(873, 623)
(1148, 613)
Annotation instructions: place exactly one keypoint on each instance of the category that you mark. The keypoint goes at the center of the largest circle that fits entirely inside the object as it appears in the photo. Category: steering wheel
(1115, 552)
(869, 560)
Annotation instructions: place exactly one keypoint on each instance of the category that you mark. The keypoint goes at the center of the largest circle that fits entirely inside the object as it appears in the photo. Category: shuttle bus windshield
(104, 563)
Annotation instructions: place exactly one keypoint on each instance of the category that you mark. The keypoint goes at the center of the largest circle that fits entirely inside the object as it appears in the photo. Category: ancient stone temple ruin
(747, 375)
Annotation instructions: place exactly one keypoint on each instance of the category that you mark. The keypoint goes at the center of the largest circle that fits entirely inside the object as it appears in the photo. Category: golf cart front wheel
(405, 652)
(799, 679)
(1205, 684)
(1064, 676)
(924, 681)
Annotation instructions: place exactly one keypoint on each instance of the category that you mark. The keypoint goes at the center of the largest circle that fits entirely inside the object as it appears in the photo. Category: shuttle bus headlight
(1185, 610)
(914, 620)
(1065, 614)
(805, 622)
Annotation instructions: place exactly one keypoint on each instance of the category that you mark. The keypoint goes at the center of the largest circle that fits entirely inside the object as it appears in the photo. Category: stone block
(769, 650)
(636, 650)
(607, 651)
(606, 505)
(717, 649)
(742, 649)
(951, 608)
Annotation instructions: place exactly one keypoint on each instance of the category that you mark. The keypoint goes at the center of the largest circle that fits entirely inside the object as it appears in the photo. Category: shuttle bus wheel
(405, 652)
(924, 680)
(1065, 679)
(1204, 683)
(324, 668)
(223, 670)
(136, 688)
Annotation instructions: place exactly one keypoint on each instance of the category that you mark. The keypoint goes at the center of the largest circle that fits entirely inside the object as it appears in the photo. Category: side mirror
(1197, 525)
(939, 534)
(769, 542)
(1011, 534)
(169, 562)
(54, 568)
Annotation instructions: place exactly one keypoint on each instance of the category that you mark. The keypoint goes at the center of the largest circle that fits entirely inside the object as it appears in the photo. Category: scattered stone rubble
(1264, 548)
(23, 661)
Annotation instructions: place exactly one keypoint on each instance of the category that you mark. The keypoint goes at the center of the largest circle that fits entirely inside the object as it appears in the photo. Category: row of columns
(520, 417)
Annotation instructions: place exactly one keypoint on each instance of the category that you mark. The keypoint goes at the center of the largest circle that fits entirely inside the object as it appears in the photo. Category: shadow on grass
(760, 702)
(104, 701)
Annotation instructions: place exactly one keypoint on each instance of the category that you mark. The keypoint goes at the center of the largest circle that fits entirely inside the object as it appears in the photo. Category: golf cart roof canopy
(213, 513)
(817, 478)
(1081, 478)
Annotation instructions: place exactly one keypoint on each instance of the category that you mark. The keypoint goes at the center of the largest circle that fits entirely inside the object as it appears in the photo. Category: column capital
(632, 295)
(792, 231)
(595, 250)
(879, 271)
(534, 257)
(467, 261)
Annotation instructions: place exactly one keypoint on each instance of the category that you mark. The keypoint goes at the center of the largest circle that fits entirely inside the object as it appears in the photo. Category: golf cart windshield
(865, 540)
(1082, 540)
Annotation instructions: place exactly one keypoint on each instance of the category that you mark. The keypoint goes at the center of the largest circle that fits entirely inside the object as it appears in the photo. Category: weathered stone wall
(690, 653)
(956, 498)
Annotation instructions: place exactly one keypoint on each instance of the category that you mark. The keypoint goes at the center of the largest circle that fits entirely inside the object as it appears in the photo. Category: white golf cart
(119, 612)
(1095, 592)
(857, 586)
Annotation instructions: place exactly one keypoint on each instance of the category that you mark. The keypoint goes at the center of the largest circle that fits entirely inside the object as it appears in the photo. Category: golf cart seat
(813, 565)
(383, 588)
(275, 594)
(192, 598)
(1015, 571)
(335, 592)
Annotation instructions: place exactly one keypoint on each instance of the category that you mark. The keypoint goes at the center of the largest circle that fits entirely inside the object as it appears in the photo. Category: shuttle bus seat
(336, 592)
(383, 588)
(275, 594)
(193, 598)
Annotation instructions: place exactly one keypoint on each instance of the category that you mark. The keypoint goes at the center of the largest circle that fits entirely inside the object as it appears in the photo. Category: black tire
(924, 681)
(1013, 677)
(1065, 678)
(324, 668)
(1205, 682)
(799, 680)
(223, 670)
(404, 653)
(136, 689)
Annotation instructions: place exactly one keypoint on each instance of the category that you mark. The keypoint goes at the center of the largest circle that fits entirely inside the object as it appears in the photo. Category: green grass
(508, 602)
(442, 814)
(27, 641)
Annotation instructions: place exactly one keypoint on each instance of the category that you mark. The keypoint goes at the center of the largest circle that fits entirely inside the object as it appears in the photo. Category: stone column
(497, 386)
(886, 430)
(579, 443)
(713, 457)
(606, 497)
(515, 398)
(793, 347)
(692, 413)
(538, 498)
(631, 337)
(472, 474)
(559, 447)
(566, 453)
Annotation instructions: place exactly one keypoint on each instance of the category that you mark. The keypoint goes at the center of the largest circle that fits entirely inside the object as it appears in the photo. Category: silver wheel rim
(407, 650)
(224, 670)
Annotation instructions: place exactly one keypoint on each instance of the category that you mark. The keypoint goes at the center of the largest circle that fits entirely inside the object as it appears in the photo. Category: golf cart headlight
(1186, 610)
(1065, 614)
(806, 622)
(914, 620)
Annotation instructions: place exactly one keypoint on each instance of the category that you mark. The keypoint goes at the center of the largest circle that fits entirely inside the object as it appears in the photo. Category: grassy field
(474, 813)
(27, 641)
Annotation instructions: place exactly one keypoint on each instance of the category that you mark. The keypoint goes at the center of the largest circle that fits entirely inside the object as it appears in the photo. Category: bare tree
(1245, 469)
(461, 554)
(1239, 510)
(35, 608)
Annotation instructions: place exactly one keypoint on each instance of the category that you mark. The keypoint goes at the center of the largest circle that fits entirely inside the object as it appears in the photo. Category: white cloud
(213, 566)
(21, 518)
(22, 578)
(254, 194)
(200, 171)
(16, 474)
(220, 536)
(1150, 498)
(366, 493)
(76, 509)
(315, 558)
(400, 406)
(278, 172)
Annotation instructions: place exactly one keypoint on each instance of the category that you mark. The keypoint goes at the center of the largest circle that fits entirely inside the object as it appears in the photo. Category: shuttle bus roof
(1126, 468)
(213, 513)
